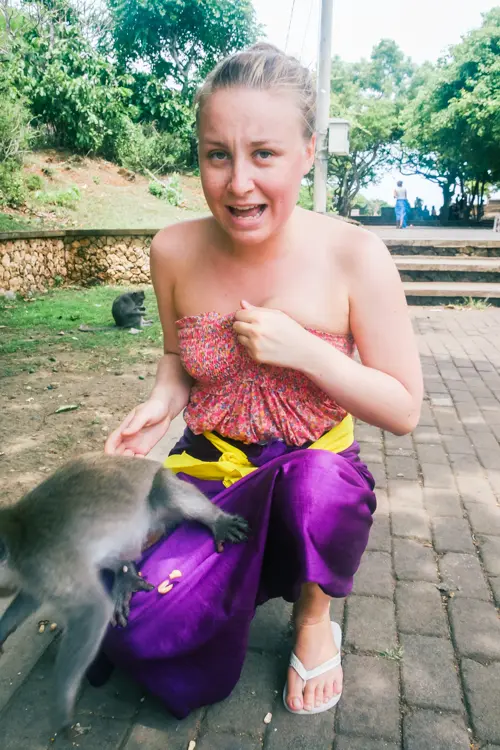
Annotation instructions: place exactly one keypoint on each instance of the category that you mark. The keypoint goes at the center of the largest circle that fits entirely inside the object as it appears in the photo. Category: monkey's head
(138, 297)
(7, 580)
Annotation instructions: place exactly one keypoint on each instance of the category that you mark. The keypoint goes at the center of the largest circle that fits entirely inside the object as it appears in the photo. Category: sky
(423, 30)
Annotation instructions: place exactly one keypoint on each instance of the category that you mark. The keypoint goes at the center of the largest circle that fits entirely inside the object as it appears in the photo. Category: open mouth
(247, 212)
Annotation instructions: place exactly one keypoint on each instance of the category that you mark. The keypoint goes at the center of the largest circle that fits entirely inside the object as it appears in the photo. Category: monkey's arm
(15, 614)
(174, 501)
(127, 582)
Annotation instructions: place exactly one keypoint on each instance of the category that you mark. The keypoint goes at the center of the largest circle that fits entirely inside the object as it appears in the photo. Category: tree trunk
(447, 196)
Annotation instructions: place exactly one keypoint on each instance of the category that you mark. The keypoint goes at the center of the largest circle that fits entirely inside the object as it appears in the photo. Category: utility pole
(323, 105)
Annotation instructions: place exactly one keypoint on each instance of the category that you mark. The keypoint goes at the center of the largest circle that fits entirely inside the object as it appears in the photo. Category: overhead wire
(289, 25)
(311, 3)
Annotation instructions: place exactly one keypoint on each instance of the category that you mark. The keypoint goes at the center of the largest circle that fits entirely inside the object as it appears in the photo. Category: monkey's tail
(88, 329)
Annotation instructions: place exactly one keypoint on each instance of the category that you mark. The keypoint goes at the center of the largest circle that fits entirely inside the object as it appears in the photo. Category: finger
(245, 316)
(122, 448)
(114, 445)
(145, 586)
(113, 441)
(140, 420)
(111, 444)
(245, 341)
(128, 419)
(128, 452)
(246, 305)
(244, 329)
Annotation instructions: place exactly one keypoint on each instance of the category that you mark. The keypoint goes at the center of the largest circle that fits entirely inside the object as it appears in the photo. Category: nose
(241, 179)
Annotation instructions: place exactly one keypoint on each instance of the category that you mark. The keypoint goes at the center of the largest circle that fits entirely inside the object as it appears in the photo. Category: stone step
(445, 247)
(452, 289)
(447, 264)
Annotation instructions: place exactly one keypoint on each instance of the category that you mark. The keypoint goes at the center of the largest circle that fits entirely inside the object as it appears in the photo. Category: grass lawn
(62, 391)
(33, 327)
(9, 223)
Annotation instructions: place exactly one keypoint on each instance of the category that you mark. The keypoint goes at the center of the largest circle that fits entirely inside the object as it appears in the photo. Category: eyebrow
(254, 144)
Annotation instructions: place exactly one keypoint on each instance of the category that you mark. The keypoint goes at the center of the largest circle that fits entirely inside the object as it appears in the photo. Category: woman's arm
(386, 388)
(148, 422)
(172, 381)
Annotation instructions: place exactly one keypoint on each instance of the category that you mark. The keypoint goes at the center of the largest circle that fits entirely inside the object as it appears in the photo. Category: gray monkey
(94, 513)
(128, 310)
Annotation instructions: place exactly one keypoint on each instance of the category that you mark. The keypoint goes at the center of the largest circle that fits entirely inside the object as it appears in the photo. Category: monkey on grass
(128, 312)
(93, 514)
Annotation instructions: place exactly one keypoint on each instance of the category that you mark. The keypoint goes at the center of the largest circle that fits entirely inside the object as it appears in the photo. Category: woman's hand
(140, 430)
(271, 337)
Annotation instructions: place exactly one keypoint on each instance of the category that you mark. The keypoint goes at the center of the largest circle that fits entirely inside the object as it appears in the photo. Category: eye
(217, 155)
(264, 154)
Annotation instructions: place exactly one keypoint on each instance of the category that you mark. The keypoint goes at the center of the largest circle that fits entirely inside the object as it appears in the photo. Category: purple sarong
(310, 513)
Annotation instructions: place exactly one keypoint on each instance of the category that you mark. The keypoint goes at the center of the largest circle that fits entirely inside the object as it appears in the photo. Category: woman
(401, 208)
(261, 306)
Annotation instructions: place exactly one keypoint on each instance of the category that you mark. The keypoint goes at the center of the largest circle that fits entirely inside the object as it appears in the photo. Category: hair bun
(265, 47)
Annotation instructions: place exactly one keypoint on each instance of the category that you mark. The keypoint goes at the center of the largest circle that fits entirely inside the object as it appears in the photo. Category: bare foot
(314, 645)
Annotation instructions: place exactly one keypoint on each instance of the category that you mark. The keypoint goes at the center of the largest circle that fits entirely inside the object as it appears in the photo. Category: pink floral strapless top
(247, 401)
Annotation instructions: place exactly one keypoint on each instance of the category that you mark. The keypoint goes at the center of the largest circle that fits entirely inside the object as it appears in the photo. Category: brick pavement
(422, 632)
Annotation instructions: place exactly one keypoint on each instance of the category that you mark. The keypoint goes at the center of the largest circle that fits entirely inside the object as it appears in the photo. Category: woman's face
(253, 156)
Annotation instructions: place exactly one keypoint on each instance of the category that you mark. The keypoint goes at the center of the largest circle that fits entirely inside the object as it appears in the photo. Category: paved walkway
(434, 233)
(422, 634)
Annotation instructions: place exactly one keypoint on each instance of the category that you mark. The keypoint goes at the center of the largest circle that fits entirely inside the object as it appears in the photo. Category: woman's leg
(313, 646)
(399, 213)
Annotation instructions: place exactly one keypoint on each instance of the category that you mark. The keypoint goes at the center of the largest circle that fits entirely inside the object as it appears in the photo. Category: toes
(328, 692)
(294, 696)
(309, 696)
(319, 695)
(337, 687)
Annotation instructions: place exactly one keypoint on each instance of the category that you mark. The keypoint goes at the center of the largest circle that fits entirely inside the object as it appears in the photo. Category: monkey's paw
(230, 528)
(127, 582)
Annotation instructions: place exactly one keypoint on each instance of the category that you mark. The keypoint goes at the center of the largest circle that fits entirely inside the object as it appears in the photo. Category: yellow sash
(233, 463)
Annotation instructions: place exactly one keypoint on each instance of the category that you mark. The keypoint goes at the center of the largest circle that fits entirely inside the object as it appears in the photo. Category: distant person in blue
(401, 208)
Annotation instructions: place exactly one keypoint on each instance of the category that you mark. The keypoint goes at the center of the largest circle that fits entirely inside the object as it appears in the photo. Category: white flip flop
(306, 675)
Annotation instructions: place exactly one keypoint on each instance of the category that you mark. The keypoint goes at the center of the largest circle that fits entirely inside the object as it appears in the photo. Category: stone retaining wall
(35, 261)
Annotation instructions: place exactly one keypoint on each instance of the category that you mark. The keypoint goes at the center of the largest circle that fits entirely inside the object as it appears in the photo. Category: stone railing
(35, 261)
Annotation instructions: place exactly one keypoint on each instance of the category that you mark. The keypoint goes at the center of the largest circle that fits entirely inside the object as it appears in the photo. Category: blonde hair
(266, 68)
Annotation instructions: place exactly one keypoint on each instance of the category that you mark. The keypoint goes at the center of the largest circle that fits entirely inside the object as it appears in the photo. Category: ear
(310, 152)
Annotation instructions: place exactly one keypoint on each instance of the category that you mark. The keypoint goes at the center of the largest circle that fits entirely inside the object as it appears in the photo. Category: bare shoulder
(355, 250)
(356, 245)
(176, 242)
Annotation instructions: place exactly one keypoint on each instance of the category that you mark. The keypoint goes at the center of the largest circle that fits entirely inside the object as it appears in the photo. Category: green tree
(72, 90)
(452, 125)
(370, 94)
(179, 41)
(15, 129)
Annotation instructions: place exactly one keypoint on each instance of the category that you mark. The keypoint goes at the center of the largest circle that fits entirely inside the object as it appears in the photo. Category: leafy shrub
(306, 197)
(66, 198)
(142, 147)
(15, 134)
(34, 182)
(12, 189)
(170, 191)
